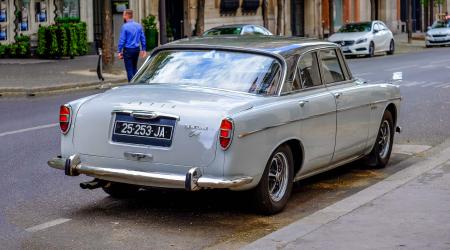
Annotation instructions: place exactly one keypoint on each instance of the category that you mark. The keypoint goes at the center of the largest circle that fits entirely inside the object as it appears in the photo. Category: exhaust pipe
(95, 183)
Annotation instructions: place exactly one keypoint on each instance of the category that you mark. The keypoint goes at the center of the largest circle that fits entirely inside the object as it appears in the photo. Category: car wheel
(120, 190)
(371, 50)
(381, 151)
(274, 188)
(391, 48)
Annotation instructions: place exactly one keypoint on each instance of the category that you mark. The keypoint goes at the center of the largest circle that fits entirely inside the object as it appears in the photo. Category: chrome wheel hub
(278, 176)
(384, 139)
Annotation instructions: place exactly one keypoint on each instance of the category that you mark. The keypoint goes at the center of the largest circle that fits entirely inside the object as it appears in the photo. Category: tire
(391, 48)
(120, 190)
(275, 187)
(371, 50)
(381, 150)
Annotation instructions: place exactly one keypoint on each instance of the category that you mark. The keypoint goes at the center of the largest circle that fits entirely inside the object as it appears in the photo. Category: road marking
(47, 225)
(28, 129)
(413, 83)
(407, 149)
(442, 85)
(426, 84)
(402, 67)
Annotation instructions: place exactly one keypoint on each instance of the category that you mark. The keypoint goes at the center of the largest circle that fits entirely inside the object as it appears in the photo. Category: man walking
(131, 43)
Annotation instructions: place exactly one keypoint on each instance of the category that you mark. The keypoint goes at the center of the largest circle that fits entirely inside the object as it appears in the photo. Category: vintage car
(239, 113)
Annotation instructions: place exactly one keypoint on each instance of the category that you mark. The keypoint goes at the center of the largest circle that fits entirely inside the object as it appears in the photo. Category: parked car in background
(438, 34)
(239, 112)
(238, 29)
(364, 38)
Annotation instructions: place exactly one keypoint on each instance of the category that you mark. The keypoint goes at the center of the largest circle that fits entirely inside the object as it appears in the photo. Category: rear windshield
(237, 71)
(356, 27)
(224, 31)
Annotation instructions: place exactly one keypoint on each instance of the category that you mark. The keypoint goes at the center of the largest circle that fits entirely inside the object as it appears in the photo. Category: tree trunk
(200, 24)
(373, 9)
(331, 16)
(265, 13)
(107, 42)
(162, 22)
(280, 12)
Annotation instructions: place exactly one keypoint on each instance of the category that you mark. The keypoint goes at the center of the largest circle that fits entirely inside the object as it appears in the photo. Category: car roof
(283, 46)
(239, 25)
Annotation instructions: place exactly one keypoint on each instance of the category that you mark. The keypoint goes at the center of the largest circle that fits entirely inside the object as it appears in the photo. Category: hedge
(66, 38)
(19, 49)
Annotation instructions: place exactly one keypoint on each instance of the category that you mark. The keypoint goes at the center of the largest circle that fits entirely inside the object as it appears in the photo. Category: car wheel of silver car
(381, 151)
(275, 186)
(391, 48)
(120, 190)
(371, 50)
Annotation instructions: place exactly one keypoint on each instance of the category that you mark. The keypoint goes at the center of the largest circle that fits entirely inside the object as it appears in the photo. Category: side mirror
(375, 31)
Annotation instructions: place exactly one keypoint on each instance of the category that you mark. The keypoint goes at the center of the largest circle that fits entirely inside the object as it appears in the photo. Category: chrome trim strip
(157, 179)
(369, 104)
(244, 134)
(153, 114)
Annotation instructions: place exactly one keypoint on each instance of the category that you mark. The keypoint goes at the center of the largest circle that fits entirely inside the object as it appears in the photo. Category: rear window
(237, 71)
(224, 31)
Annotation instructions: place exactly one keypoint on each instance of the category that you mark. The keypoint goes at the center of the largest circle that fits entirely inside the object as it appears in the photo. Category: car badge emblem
(195, 130)
(342, 43)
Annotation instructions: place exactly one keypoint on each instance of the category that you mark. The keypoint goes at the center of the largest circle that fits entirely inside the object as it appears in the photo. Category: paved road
(41, 208)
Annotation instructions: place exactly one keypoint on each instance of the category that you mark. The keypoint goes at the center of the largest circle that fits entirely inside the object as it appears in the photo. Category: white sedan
(365, 38)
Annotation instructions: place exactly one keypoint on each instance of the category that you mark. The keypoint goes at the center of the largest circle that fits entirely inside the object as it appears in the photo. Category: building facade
(310, 18)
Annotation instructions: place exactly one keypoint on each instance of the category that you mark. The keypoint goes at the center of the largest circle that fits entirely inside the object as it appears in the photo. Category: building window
(41, 11)
(3, 11)
(229, 6)
(24, 15)
(250, 5)
(68, 8)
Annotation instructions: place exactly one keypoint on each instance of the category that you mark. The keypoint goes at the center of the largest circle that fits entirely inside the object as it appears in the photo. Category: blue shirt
(131, 34)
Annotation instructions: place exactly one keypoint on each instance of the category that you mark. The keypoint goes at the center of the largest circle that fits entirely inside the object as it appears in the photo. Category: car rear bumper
(191, 181)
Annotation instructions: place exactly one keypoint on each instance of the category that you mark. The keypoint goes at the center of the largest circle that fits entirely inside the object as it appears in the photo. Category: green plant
(73, 41)
(149, 23)
(82, 38)
(53, 48)
(22, 48)
(63, 40)
(41, 45)
(2, 50)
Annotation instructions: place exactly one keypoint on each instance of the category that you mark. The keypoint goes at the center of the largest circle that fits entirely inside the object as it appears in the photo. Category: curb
(286, 235)
(70, 87)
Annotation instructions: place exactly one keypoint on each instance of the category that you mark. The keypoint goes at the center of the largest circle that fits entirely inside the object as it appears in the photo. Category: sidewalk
(19, 76)
(408, 210)
(402, 45)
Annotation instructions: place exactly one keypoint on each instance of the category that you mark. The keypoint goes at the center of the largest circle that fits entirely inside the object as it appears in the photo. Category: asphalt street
(42, 208)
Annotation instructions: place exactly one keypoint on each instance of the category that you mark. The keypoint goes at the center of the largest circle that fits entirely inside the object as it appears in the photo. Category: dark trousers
(130, 58)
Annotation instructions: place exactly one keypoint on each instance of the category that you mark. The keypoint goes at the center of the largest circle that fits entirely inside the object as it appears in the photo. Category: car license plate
(143, 130)
(157, 132)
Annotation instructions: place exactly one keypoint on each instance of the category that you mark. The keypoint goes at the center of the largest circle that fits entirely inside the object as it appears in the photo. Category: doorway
(175, 19)
(298, 17)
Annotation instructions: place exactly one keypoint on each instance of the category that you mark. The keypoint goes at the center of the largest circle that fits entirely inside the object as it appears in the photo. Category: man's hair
(129, 13)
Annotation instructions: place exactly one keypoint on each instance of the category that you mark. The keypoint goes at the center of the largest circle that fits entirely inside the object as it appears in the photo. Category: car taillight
(64, 118)
(226, 133)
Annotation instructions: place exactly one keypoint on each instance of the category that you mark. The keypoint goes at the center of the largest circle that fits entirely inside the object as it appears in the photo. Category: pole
(162, 22)
(409, 21)
(331, 16)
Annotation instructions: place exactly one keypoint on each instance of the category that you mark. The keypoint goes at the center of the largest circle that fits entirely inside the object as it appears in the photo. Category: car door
(352, 102)
(378, 37)
(386, 36)
(317, 111)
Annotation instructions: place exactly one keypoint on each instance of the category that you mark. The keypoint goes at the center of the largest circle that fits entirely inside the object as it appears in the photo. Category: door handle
(337, 94)
(302, 103)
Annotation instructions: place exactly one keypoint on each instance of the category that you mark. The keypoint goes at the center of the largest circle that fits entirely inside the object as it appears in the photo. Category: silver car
(240, 113)
(438, 34)
(238, 29)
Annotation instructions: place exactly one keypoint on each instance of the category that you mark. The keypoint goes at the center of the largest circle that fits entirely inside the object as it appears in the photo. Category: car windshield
(237, 71)
(356, 27)
(441, 24)
(224, 31)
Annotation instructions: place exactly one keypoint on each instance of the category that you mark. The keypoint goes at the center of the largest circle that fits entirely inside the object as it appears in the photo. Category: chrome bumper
(193, 180)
